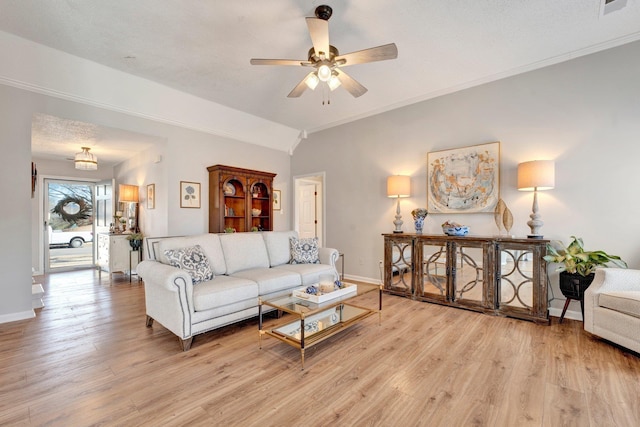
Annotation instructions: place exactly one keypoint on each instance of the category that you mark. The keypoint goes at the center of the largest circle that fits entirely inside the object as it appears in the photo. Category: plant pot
(135, 244)
(573, 285)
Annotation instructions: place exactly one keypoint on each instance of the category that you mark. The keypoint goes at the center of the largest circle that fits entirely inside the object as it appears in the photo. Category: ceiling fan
(326, 60)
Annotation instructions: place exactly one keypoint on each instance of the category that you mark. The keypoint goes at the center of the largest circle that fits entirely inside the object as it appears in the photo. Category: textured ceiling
(203, 47)
(57, 138)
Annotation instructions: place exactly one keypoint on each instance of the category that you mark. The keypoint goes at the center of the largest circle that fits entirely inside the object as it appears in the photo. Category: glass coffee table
(313, 322)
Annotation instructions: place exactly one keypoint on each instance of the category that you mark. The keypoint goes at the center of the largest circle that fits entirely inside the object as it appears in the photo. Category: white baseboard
(570, 314)
(37, 292)
(14, 317)
(362, 279)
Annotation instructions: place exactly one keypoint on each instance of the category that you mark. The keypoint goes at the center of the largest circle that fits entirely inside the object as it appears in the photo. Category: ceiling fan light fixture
(324, 73)
(312, 81)
(84, 160)
(334, 82)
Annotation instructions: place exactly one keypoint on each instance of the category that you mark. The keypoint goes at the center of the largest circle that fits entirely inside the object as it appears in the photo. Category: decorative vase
(418, 218)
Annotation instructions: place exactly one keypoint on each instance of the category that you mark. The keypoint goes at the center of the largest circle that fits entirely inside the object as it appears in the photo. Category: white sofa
(246, 266)
(612, 306)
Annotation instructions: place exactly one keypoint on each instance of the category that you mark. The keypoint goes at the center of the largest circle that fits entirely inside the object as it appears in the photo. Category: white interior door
(308, 210)
(309, 206)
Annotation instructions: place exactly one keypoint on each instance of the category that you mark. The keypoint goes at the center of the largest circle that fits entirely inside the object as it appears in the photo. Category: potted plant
(135, 240)
(577, 266)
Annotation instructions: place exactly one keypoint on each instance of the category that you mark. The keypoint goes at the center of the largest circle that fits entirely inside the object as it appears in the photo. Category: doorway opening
(71, 212)
(309, 206)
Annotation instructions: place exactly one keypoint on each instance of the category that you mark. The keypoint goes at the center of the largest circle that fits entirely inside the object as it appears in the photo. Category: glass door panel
(69, 224)
(469, 274)
(434, 270)
(516, 278)
(401, 267)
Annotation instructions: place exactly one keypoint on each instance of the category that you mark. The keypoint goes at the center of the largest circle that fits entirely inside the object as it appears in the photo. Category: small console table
(494, 275)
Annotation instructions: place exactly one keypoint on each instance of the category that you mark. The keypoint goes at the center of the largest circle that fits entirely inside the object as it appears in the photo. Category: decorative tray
(349, 288)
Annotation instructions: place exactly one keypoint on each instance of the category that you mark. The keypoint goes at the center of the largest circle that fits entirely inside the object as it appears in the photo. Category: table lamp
(535, 176)
(398, 186)
(129, 194)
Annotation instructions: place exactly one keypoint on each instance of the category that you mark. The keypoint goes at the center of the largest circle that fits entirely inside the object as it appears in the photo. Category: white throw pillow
(193, 261)
(304, 251)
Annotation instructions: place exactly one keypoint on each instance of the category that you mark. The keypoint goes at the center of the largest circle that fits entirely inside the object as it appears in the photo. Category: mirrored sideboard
(495, 275)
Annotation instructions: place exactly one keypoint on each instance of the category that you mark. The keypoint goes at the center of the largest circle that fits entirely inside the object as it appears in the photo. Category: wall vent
(609, 6)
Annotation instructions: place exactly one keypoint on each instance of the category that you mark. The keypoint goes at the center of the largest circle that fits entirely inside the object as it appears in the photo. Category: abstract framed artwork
(151, 196)
(277, 200)
(464, 180)
(189, 194)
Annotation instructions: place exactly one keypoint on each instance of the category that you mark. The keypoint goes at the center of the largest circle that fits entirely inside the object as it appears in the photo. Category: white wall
(583, 113)
(15, 192)
(185, 156)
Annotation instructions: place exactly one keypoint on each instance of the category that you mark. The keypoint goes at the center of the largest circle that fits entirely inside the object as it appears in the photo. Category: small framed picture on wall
(151, 196)
(277, 200)
(189, 194)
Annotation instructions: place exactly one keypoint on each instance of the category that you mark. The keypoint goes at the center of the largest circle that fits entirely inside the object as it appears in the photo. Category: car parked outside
(68, 238)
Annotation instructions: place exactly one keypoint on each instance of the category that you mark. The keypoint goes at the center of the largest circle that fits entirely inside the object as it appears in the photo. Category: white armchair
(612, 306)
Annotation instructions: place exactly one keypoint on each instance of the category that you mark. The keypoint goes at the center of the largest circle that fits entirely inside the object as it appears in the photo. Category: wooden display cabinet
(240, 199)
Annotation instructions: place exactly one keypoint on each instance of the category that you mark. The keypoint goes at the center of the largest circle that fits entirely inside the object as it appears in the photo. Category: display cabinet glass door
(260, 207)
(398, 266)
(434, 278)
(469, 274)
(516, 278)
(234, 205)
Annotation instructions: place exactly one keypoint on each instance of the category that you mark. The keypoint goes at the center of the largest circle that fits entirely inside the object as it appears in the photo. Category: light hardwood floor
(88, 359)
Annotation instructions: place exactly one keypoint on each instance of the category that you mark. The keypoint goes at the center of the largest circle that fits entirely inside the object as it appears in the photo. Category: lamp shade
(399, 186)
(84, 160)
(128, 193)
(536, 175)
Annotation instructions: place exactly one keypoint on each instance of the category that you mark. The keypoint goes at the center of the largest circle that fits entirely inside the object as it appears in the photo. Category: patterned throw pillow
(304, 251)
(192, 260)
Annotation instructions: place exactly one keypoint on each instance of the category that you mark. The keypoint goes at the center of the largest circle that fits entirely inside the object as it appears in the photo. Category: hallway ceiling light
(85, 160)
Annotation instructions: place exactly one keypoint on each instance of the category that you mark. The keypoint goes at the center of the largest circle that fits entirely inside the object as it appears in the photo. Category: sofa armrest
(328, 256)
(605, 280)
(168, 296)
(614, 279)
(161, 274)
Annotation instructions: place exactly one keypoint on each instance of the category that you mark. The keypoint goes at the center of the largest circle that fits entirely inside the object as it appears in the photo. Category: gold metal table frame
(315, 322)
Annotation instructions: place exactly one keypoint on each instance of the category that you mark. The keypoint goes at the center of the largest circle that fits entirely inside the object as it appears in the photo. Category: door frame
(318, 178)
(42, 250)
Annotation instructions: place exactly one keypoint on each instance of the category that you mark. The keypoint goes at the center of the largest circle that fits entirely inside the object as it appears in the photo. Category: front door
(69, 224)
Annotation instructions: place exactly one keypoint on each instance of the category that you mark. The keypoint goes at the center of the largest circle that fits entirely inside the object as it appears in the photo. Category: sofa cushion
(271, 280)
(627, 302)
(304, 251)
(193, 261)
(210, 244)
(278, 246)
(223, 291)
(243, 251)
(309, 273)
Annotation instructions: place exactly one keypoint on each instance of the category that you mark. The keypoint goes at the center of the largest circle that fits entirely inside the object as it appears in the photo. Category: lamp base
(398, 232)
(535, 236)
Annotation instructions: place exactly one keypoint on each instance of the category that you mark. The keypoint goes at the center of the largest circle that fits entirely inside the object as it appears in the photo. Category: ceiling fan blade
(352, 86)
(319, 32)
(300, 88)
(296, 62)
(379, 53)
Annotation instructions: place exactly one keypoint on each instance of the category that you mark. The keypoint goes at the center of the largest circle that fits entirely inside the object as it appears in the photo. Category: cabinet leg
(564, 310)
